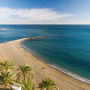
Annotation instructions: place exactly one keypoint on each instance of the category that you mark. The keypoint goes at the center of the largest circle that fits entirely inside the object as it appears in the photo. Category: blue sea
(66, 46)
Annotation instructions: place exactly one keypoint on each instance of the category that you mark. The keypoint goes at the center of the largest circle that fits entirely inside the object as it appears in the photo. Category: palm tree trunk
(24, 76)
(5, 87)
(10, 87)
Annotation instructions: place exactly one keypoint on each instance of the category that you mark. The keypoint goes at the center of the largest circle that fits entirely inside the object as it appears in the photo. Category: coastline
(1, 29)
(82, 79)
(14, 51)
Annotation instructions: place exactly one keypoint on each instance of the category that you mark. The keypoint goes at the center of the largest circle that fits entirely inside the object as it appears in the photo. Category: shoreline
(1, 29)
(13, 51)
(64, 71)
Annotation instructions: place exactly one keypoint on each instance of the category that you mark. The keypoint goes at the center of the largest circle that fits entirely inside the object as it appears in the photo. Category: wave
(71, 74)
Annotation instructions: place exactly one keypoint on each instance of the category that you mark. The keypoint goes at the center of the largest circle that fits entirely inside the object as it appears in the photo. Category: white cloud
(29, 15)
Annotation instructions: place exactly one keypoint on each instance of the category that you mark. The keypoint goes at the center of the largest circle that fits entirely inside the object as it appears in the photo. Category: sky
(44, 11)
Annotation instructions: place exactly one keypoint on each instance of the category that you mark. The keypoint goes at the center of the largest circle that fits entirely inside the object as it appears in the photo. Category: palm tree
(28, 85)
(7, 78)
(47, 84)
(6, 65)
(1, 61)
(25, 72)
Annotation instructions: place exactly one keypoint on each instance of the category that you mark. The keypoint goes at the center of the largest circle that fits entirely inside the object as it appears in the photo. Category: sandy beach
(13, 51)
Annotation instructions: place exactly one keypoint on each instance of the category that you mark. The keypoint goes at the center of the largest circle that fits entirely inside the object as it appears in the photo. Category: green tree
(25, 72)
(7, 78)
(6, 65)
(47, 84)
(28, 85)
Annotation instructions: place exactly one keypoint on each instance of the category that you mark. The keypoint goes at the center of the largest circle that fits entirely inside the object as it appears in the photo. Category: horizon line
(44, 24)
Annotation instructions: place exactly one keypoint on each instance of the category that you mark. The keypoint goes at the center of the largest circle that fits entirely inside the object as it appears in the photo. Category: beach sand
(13, 51)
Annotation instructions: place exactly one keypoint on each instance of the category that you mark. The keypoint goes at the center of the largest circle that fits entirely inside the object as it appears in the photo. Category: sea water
(65, 46)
